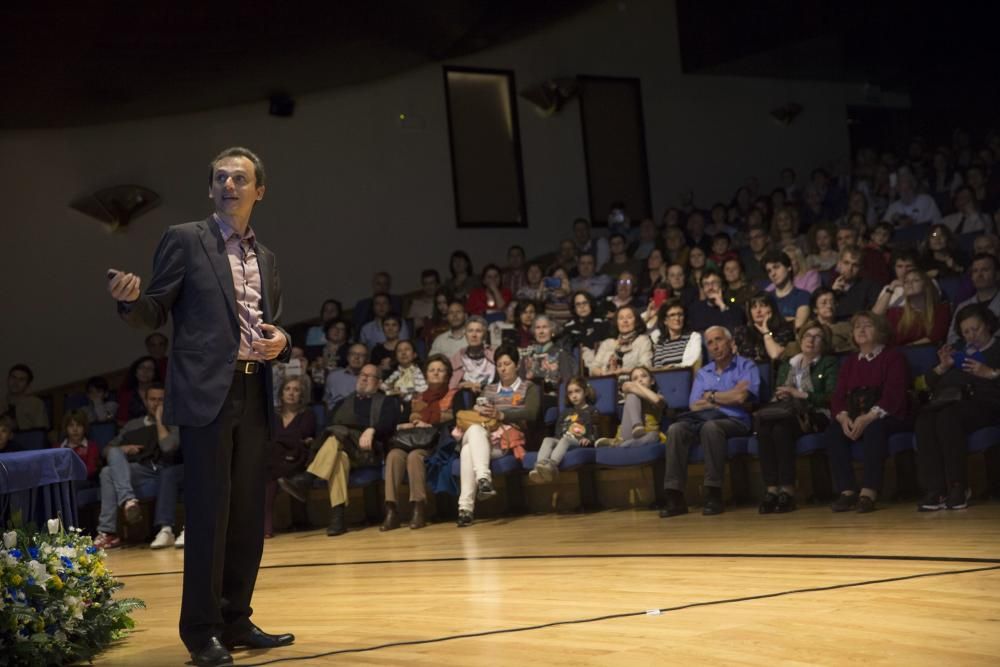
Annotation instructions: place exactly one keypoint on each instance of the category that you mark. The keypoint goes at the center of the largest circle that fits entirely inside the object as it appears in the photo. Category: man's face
(153, 400)
(429, 284)
(381, 283)
(456, 315)
(758, 240)
(356, 357)
(984, 276)
(391, 329)
(846, 237)
(696, 224)
(711, 286)
(380, 306)
(777, 272)
(567, 250)
(903, 266)
(368, 380)
(720, 348)
(17, 382)
(515, 258)
(405, 353)
(156, 346)
(581, 233)
(234, 187)
(474, 333)
(617, 245)
(849, 266)
(586, 266)
(647, 230)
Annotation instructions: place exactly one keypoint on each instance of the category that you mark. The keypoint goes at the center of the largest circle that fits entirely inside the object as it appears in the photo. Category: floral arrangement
(56, 603)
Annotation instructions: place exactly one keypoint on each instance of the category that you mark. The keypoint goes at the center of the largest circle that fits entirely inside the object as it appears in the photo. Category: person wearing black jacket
(965, 388)
(145, 449)
(359, 428)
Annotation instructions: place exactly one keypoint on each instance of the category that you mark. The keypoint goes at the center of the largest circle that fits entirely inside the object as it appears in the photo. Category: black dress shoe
(212, 654)
(257, 638)
(337, 524)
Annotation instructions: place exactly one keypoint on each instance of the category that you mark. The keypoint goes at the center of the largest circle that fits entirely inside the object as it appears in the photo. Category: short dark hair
(979, 256)
(154, 385)
(521, 306)
(708, 273)
(75, 417)
(509, 351)
(515, 247)
(329, 324)
(430, 273)
(618, 236)
(24, 368)
(154, 335)
(982, 311)
(239, 151)
(98, 382)
(777, 257)
(488, 268)
(817, 293)
(437, 356)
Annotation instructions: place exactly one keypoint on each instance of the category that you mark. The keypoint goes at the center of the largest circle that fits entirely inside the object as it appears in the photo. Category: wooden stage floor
(891, 588)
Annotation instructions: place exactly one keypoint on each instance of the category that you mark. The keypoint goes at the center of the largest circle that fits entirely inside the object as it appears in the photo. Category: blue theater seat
(319, 409)
(575, 458)
(984, 439)
(102, 433)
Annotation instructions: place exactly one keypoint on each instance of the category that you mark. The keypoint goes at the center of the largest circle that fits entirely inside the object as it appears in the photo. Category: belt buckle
(250, 368)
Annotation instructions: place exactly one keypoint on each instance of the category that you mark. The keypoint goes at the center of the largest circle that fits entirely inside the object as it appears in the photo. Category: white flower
(53, 526)
(10, 539)
(68, 552)
(39, 572)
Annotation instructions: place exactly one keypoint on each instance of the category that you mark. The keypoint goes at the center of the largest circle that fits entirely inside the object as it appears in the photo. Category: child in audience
(100, 407)
(722, 249)
(641, 414)
(577, 429)
(407, 380)
(74, 427)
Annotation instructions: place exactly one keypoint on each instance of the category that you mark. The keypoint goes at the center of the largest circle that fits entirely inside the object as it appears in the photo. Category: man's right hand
(124, 286)
(131, 450)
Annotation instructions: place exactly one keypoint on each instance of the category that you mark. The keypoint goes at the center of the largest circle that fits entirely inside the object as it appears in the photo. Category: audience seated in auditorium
(513, 273)
(943, 180)
(624, 294)
(721, 394)
(461, 278)
(294, 431)
(722, 249)
(545, 363)
(356, 437)
(420, 308)
(985, 274)
(642, 411)
(491, 298)
(316, 334)
(619, 261)
(557, 296)
(586, 328)
(587, 278)
(679, 285)
(140, 376)
(25, 410)
(407, 380)
(803, 277)
(451, 341)
(524, 320)
(940, 256)
(648, 234)
(718, 224)
(428, 410)
(297, 366)
(792, 302)
(533, 288)
(854, 293)
(967, 218)
(697, 237)
(627, 348)
(653, 285)
(156, 346)
(674, 344)
(565, 258)
(586, 243)
(915, 205)
(922, 318)
(965, 393)
(473, 367)
(504, 414)
(713, 309)
(74, 432)
(758, 245)
(145, 450)
(698, 265)
(803, 389)
(785, 228)
(372, 333)
(437, 324)
(364, 309)
(341, 382)
(873, 266)
(903, 261)
(338, 336)
(737, 291)
(99, 407)
(823, 309)
(383, 354)
(577, 427)
(823, 254)
(988, 244)
(676, 246)
(767, 334)
(869, 404)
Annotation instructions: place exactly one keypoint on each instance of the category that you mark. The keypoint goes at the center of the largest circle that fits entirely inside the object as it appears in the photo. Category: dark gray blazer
(192, 281)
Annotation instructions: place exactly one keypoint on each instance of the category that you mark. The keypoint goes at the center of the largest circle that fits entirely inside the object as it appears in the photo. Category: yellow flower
(16, 580)
(56, 583)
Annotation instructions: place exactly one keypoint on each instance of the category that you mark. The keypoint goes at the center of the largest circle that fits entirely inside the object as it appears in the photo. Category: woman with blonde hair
(803, 277)
(922, 318)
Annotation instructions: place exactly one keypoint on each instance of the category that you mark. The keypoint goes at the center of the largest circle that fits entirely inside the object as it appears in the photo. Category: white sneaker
(163, 539)
(179, 542)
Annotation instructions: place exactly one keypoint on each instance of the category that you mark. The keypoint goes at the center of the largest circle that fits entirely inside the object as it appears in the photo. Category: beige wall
(351, 191)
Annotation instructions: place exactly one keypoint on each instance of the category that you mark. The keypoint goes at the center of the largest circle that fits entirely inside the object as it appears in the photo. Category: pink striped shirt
(242, 253)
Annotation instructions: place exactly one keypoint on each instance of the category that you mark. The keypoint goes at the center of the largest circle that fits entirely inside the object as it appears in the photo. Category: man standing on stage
(222, 288)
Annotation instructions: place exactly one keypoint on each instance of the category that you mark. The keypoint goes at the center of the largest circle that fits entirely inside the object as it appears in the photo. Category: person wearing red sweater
(74, 427)
(922, 318)
(491, 298)
(868, 405)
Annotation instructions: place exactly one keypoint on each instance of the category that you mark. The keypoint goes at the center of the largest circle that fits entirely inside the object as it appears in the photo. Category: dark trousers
(875, 445)
(225, 471)
(943, 441)
(776, 440)
(713, 436)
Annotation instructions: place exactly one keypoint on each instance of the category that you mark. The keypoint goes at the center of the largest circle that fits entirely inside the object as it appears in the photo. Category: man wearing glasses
(759, 244)
(712, 310)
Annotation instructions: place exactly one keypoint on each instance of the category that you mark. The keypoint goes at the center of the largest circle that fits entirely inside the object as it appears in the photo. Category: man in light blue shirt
(341, 382)
(721, 394)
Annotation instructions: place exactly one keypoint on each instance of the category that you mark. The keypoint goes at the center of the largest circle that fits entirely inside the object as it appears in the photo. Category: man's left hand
(367, 438)
(272, 346)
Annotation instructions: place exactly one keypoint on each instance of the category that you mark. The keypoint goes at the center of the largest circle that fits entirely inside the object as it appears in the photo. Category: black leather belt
(247, 367)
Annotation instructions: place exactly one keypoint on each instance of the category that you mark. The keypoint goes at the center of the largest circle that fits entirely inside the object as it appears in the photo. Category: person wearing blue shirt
(793, 302)
(720, 396)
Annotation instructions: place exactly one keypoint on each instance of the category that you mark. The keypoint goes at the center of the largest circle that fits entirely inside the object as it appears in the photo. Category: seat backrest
(606, 388)
(910, 236)
(34, 439)
(675, 387)
(74, 401)
(920, 358)
(102, 433)
(766, 370)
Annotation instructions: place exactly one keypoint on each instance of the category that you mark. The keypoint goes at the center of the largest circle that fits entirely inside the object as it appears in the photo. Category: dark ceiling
(64, 64)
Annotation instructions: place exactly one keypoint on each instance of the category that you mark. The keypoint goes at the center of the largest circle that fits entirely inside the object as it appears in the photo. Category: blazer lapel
(215, 248)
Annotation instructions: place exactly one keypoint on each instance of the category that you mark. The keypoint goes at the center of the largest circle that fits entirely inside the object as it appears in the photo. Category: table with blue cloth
(39, 485)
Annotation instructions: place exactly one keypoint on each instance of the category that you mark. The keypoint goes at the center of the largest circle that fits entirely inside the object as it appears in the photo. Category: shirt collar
(227, 231)
(871, 355)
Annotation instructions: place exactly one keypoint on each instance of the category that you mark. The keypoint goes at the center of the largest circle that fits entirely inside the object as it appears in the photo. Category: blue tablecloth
(39, 484)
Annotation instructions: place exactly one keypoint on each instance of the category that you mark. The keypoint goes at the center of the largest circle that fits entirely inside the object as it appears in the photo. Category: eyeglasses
(584, 302)
(624, 282)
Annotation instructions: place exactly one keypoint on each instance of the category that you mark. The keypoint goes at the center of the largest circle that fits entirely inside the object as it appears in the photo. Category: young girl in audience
(576, 427)
(641, 414)
(74, 427)
(940, 256)
(697, 263)
(923, 317)
(822, 253)
(722, 249)
(407, 380)
(437, 324)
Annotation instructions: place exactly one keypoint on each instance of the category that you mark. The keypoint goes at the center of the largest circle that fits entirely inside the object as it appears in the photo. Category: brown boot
(418, 520)
(391, 521)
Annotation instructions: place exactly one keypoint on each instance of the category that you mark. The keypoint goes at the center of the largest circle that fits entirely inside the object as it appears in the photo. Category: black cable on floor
(629, 614)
